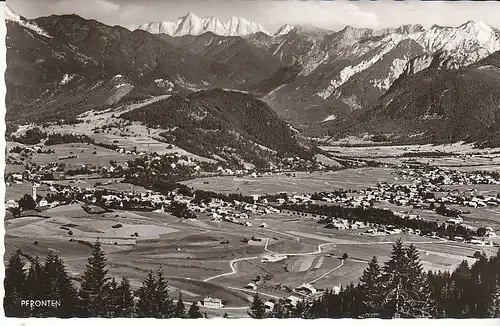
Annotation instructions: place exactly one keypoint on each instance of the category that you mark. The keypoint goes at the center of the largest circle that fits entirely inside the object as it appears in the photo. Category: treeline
(400, 288)
(36, 135)
(99, 295)
(378, 216)
(32, 136)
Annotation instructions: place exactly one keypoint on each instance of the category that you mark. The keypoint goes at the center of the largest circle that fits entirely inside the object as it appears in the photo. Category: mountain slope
(55, 65)
(436, 105)
(347, 70)
(217, 123)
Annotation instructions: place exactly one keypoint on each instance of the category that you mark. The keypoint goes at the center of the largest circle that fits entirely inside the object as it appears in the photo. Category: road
(328, 273)
(233, 268)
(318, 251)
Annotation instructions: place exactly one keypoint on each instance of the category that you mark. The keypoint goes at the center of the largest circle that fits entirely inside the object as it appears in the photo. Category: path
(318, 251)
(233, 268)
(327, 273)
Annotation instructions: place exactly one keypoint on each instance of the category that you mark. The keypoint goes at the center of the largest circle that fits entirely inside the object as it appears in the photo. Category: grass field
(302, 183)
(191, 251)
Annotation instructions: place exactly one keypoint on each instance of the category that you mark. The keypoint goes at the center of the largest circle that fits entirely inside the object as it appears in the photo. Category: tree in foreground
(257, 309)
(405, 289)
(494, 304)
(180, 309)
(370, 286)
(56, 284)
(194, 311)
(15, 287)
(94, 292)
(122, 299)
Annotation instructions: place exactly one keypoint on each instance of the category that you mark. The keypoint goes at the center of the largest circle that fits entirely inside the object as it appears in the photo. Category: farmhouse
(212, 302)
(273, 258)
(251, 286)
(293, 300)
(306, 288)
(269, 305)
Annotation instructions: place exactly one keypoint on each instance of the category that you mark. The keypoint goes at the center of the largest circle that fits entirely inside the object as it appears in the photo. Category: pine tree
(225, 315)
(257, 309)
(58, 286)
(36, 284)
(194, 311)
(124, 299)
(394, 277)
(15, 287)
(279, 311)
(180, 309)
(94, 291)
(162, 300)
(299, 310)
(147, 306)
(370, 286)
(494, 304)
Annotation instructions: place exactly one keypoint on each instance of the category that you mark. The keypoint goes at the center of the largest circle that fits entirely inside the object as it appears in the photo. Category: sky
(272, 14)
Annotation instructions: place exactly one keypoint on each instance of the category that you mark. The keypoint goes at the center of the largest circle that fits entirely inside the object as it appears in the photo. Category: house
(477, 242)
(293, 300)
(11, 204)
(43, 203)
(251, 286)
(273, 258)
(269, 305)
(306, 288)
(212, 302)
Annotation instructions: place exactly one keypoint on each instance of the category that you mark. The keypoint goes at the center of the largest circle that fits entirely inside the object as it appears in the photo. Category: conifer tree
(494, 304)
(194, 311)
(147, 305)
(15, 287)
(299, 310)
(394, 277)
(279, 311)
(36, 284)
(370, 286)
(94, 291)
(124, 299)
(257, 309)
(162, 300)
(225, 315)
(57, 285)
(180, 309)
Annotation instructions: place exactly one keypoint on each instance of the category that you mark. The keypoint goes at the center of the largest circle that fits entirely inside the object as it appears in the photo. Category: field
(459, 156)
(301, 183)
(198, 263)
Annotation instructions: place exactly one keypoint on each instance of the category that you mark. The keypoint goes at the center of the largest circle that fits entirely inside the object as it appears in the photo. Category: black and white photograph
(251, 159)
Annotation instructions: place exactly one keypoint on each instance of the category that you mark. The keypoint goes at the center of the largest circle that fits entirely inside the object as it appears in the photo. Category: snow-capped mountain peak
(191, 24)
(10, 15)
(285, 29)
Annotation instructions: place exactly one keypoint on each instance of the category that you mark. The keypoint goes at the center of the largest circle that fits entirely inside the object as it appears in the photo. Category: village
(412, 198)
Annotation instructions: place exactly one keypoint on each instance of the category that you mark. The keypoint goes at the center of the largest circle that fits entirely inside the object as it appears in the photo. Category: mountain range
(194, 25)
(435, 84)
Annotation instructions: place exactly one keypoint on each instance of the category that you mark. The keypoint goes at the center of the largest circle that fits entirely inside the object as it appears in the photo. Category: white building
(212, 302)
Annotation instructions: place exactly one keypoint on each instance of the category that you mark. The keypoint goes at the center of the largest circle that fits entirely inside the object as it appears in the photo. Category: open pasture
(191, 251)
(301, 183)
(84, 153)
(17, 191)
